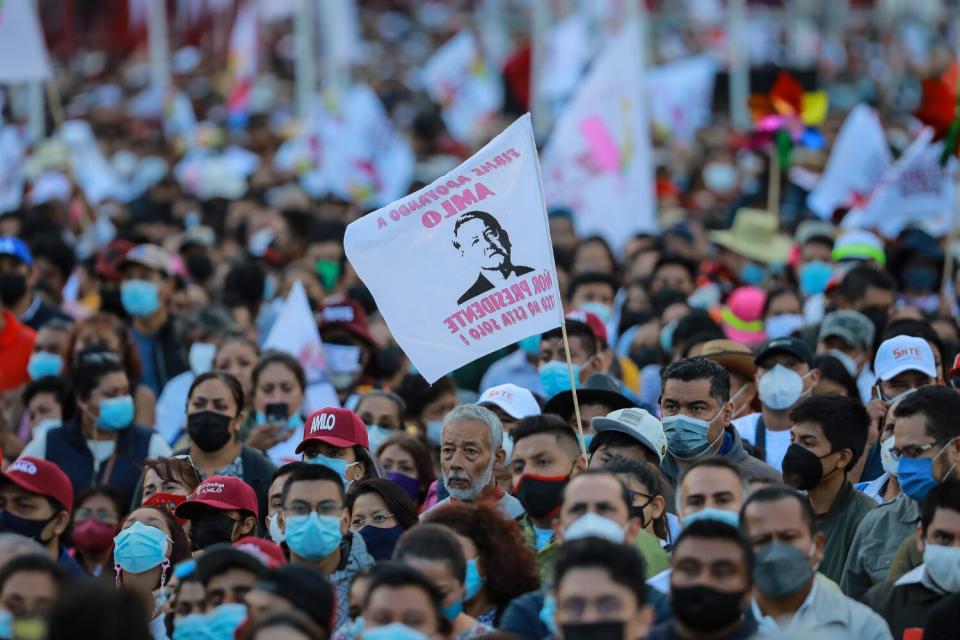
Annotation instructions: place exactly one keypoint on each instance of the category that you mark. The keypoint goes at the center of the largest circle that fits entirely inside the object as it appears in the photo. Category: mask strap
(164, 567)
(117, 581)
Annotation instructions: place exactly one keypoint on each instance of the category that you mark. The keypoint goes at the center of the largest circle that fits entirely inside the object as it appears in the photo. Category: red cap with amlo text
(42, 478)
(339, 428)
(223, 493)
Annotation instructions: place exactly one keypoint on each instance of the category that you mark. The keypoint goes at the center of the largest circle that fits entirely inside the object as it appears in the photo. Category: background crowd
(765, 436)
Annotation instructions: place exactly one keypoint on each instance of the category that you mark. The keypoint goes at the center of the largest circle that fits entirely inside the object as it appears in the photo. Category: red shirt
(16, 346)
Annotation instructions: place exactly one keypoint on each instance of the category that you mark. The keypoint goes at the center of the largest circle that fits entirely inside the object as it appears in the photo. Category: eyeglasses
(186, 456)
(914, 450)
(378, 518)
(103, 515)
(322, 509)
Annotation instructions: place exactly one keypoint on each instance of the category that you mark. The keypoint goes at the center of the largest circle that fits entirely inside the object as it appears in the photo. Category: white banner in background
(597, 160)
(915, 191)
(23, 53)
(859, 158)
(464, 266)
(680, 94)
(295, 332)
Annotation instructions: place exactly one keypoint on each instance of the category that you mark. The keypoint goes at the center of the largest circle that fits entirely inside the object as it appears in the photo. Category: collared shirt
(767, 623)
(875, 544)
(875, 488)
(919, 575)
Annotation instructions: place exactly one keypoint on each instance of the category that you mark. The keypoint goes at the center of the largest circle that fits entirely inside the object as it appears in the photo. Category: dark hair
(590, 277)
(547, 423)
(595, 239)
(396, 575)
(622, 562)
(236, 389)
(616, 439)
(104, 324)
(394, 497)
(51, 247)
(945, 495)
(778, 292)
(291, 619)
(711, 462)
(844, 422)
(854, 285)
(179, 470)
(231, 338)
(58, 386)
(108, 492)
(711, 529)
(692, 324)
(832, 369)
(700, 368)
(417, 393)
(421, 459)
(278, 357)
(509, 566)
(649, 476)
(181, 550)
(488, 220)
(432, 542)
(34, 562)
(666, 298)
(700, 339)
(92, 366)
(586, 473)
(92, 609)
(219, 558)
(576, 329)
(776, 493)
(939, 407)
(311, 472)
(389, 395)
(673, 259)
(287, 468)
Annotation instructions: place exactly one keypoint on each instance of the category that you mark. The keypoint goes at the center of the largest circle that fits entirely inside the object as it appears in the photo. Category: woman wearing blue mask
(434, 551)
(500, 567)
(101, 445)
(279, 388)
(380, 511)
(337, 438)
(149, 545)
(427, 404)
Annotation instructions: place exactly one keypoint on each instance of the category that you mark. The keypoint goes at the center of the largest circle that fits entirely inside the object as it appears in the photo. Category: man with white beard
(471, 445)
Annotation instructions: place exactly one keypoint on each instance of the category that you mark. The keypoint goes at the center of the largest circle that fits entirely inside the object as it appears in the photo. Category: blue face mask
(380, 541)
(336, 464)
(434, 431)
(752, 274)
(294, 422)
(548, 613)
(731, 518)
(116, 414)
(530, 345)
(686, 436)
(377, 435)
(191, 627)
(474, 581)
(313, 537)
(392, 631)
(140, 547)
(598, 309)
(555, 378)
(140, 298)
(916, 477)
(814, 277)
(666, 336)
(223, 621)
(43, 364)
(450, 612)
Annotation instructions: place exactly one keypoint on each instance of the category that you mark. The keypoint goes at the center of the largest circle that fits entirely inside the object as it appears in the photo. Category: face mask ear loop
(164, 567)
(117, 581)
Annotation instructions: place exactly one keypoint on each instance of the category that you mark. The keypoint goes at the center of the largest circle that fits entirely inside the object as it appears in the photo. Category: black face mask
(613, 630)
(13, 286)
(200, 267)
(802, 468)
(540, 495)
(705, 609)
(25, 527)
(642, 356)
(211, 527)
(209, 430)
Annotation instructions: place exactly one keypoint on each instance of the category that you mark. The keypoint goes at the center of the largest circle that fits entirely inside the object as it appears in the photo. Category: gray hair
(13, 545)
(480, 414)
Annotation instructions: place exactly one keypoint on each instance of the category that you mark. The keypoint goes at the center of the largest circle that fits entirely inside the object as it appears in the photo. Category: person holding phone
(279, 385)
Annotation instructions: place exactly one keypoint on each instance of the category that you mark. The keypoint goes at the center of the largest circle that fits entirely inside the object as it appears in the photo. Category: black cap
(599, 388)
(794, 346)
(303, 587)
(218, 558)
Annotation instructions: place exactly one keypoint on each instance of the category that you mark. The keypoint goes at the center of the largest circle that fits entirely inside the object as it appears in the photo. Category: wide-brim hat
(599, 388)
(755, 235)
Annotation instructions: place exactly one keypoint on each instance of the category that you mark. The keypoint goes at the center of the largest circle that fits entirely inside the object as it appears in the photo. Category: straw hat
(754, 235)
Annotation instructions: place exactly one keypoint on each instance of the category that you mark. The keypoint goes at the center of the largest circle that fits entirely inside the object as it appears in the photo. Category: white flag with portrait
(464, 266)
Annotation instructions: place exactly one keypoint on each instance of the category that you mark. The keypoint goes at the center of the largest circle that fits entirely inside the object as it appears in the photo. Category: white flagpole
(159, 43)
(739, 65)
(36, 121)
(538, 106)
(304, 71)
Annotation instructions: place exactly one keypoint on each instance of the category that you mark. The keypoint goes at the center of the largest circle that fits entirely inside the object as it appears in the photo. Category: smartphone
(276, 412)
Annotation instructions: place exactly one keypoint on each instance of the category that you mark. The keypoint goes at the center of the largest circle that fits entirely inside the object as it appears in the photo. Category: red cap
(593, 321)
(348, 316)
(955, 369)
(266, 551)
(220, 492)
(338, 427)
(42, 478)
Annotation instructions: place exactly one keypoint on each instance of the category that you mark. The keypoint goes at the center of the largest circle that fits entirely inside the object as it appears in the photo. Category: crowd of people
(760, 437)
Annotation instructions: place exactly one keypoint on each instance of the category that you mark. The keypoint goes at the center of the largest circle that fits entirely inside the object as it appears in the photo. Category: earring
(164, 566)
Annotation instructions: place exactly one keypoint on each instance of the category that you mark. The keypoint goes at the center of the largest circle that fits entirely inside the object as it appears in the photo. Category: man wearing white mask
(785, 375)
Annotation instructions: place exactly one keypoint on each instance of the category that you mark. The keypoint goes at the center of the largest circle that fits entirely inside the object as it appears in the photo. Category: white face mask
(780, 388)
(889, 463)
(943, 566)
(201, 356)
(782, 326)
(594, 525)
(849, 362)
(273, 524)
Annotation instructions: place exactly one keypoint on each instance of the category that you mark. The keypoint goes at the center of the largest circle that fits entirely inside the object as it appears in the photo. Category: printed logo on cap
(342, 313)
(209, 487)
(500, 393)
(907, 353)
(23, 466)
(631, 417)
(323, 422)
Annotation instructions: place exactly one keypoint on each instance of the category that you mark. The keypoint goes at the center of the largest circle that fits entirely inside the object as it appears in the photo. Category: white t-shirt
(777, 442)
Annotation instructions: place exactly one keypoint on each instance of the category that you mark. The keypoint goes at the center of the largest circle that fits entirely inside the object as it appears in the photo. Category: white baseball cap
(638, 424)
(904, 353)
(515, 401)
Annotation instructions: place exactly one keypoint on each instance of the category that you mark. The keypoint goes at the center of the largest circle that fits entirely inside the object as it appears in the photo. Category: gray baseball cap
(852, 327)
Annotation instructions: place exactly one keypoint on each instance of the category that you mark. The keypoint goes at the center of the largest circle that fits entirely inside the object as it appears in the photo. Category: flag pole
(304, 72)
(538, 106)
(739, 66)
(159, 43)
(573, 389)
(773, 189)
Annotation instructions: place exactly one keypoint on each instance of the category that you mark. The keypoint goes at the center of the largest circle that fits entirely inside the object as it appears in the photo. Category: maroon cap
(220, 492)
(266, 551)
(593, 321)
(347, 316)
(42, 478)
(337, 427)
